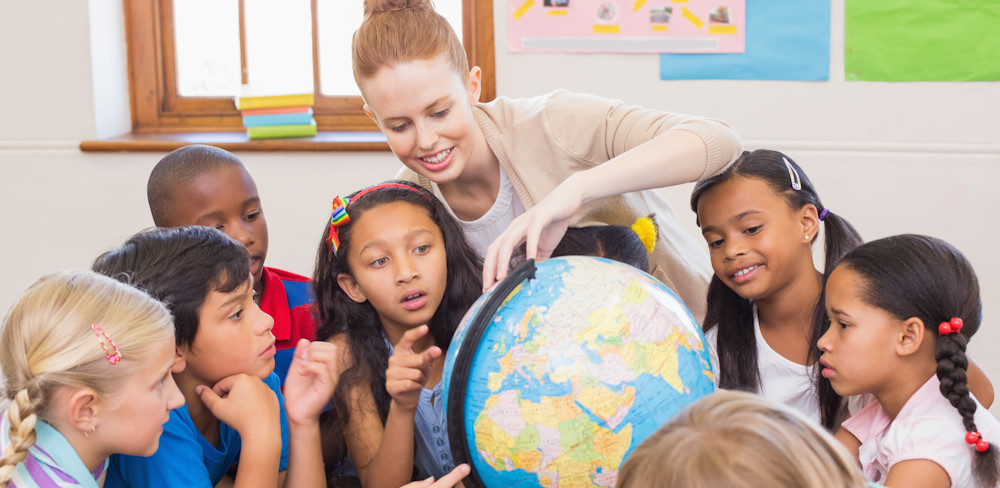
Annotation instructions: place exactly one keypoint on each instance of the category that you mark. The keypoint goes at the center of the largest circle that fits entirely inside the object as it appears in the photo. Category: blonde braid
(22, 416)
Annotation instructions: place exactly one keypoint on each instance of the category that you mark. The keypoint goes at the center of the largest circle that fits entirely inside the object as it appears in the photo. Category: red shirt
(288, 299)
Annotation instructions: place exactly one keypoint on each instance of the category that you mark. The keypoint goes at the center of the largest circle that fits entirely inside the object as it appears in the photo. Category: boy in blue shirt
(234, 409)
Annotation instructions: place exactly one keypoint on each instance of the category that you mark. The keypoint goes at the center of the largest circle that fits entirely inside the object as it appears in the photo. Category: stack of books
(273, 116)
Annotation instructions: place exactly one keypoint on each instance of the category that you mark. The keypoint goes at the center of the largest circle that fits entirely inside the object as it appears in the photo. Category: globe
(560, 371)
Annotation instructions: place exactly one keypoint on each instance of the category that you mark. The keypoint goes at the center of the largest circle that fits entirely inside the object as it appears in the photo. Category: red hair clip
(976, 439)
(115, 356)
(952, 327)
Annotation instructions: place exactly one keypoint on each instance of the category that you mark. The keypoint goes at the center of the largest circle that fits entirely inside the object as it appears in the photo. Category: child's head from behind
(91, 357)
(417, 85)
(202, 276)
(887, 301)
(739, 440)
(205, 185)
(401, 257)
(616, 242)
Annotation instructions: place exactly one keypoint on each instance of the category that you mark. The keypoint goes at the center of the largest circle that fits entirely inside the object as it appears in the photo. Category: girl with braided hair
(87, 373)
(902, 310)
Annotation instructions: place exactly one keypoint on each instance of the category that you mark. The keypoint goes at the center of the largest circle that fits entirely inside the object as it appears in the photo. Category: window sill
(238, 141)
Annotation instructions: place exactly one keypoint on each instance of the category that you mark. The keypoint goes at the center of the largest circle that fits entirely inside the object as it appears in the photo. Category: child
(394, 276)
(737, 440)
(629, 245)
(902, 310)
(205, 185)
(225, 341)
(86, 371)
(522, 170)
(760, 218)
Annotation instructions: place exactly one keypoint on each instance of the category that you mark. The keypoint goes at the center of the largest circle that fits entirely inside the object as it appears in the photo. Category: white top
(927, 427)
(480, 233)
(781, 379)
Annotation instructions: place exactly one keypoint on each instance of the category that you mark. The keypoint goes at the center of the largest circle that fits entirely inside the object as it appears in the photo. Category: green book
(276, 131)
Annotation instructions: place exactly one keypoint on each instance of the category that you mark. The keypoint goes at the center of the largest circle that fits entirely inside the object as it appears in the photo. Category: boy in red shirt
(205, 185)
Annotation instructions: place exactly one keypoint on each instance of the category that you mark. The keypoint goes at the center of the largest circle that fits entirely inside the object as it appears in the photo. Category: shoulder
(285, 275)
(559, 104)
(178, 460)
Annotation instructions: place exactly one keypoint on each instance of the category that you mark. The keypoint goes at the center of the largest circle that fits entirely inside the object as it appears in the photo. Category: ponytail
(22, 417)
(736, 343)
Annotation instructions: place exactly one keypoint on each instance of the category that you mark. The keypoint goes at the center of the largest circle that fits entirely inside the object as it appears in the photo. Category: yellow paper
(722, 29)
(557, 12)
(692, 17)
(638, 5)
(606, 29)
(523, 9)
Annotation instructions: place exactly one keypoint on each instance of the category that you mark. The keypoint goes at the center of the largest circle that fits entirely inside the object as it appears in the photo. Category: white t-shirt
(781, 379)
(927, 427)
(480, 233)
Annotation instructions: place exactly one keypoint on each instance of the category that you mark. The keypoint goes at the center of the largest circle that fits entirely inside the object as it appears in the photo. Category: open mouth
(438, 161)
(743, 275)
(414, 300)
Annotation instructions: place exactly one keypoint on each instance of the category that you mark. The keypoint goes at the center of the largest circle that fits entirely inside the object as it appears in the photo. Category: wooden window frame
(158, 109)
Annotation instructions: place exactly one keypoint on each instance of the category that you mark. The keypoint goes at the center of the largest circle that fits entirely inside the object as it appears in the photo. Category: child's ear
(83, 406)
(475, 84)
(350, 287)
(809, 220)
(369, 113)
(911, 335)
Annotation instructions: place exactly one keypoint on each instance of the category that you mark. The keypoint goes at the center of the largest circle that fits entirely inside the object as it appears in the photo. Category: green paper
(922, 40)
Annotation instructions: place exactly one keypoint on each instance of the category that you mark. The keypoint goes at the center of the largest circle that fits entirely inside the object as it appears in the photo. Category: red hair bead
(944, 329)
(973, 437)
(956, 324)
(982, 446)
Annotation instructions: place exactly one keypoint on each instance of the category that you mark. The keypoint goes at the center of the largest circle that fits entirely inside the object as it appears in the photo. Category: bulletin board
(624, 26)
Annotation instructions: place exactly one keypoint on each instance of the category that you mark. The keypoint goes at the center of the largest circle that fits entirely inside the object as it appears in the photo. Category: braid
(952, 364)
(22, 416)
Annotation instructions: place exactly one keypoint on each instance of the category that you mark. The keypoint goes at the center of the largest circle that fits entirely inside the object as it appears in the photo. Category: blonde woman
(735, 439)
(86, 366)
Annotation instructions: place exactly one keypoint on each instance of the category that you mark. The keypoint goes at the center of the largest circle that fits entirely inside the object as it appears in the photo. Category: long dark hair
(338, 314)
(733, 314)
(924, 277)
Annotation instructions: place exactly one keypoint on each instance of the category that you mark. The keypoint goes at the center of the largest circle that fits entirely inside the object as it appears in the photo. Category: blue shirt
(51, 461)
(185, 457)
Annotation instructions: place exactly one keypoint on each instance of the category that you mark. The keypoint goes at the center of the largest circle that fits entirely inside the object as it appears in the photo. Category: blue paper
(785, 40)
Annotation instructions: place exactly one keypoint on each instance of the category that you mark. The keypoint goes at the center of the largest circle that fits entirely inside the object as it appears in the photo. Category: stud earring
(806, 237)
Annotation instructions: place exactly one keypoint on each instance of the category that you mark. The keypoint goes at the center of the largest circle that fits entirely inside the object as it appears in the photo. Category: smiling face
(424, 109)
(397, 260)
(755, 239)
(225, 198)
(859, 348)
(135, 423)
(234, 336)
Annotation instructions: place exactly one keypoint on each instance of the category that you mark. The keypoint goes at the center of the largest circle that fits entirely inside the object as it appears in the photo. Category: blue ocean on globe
(583, 359)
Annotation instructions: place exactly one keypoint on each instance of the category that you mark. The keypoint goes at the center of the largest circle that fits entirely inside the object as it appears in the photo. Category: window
(188, 58)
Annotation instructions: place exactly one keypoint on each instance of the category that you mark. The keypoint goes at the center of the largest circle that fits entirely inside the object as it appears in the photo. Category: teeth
(440, 157)
(746, 270)
(411, 297)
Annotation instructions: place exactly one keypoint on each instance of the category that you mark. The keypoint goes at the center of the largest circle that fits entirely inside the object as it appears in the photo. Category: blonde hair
(48, 343)
(733, 439)
(397, 31)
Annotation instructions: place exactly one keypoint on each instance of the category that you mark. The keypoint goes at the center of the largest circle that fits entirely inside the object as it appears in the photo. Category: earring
(806, 237)
(93, 429)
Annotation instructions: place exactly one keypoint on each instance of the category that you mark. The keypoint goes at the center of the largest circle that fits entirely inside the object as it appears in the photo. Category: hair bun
(376, 6)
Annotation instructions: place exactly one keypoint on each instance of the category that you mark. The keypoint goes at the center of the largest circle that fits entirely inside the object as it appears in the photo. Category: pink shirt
(927, 427)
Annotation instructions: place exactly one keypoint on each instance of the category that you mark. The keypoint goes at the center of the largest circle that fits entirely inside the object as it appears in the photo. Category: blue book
(277, 119)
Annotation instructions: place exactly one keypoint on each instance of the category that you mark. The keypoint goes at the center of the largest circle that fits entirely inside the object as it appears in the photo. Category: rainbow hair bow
(338, 218)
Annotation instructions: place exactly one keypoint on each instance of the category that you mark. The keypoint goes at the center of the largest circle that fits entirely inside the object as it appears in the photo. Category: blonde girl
(738, 440)
(523, 170)
(87, 373)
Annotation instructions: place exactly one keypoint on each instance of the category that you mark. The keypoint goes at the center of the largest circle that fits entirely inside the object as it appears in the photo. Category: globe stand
(463, 362)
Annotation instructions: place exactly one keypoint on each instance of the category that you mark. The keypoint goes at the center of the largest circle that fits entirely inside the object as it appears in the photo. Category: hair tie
(952, 327)
(115, 356)
(822, 215)
(339, 217)
(976, 439)
(793, 175)
(646, 229)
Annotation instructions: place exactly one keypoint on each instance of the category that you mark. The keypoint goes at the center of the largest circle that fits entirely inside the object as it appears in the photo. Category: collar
(274, 302)
(51, 449)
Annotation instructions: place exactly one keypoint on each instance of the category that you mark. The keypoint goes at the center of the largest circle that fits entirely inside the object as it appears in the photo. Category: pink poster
(626, 26)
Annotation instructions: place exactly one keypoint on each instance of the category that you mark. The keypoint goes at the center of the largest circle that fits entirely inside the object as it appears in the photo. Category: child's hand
(447, 481)
(310, 381)
(407, 373)
(244, 403)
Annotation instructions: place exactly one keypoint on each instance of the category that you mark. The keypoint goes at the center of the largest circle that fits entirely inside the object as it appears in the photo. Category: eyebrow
(435, 102)
(218, 213)
(837, 311)
(409, 236)
(239, 297)
(737, 218)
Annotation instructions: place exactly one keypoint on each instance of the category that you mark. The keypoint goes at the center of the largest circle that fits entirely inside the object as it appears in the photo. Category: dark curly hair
(339, 315)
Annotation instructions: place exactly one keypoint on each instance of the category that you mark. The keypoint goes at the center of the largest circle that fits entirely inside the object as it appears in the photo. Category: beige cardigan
(541, 141)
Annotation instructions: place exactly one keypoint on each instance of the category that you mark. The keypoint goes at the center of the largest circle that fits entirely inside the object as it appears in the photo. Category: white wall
(892, 158)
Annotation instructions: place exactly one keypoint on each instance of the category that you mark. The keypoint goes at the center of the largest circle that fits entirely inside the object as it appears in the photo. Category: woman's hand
(540, 228)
